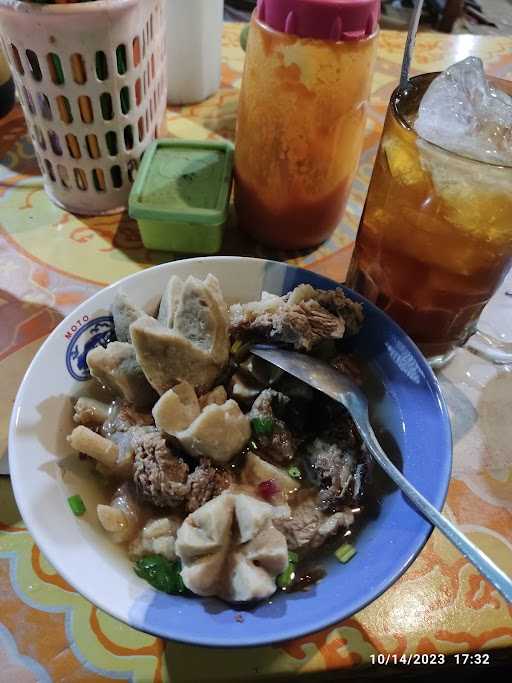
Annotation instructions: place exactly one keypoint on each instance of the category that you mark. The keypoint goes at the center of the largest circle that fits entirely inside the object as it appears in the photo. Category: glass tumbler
(435, 238)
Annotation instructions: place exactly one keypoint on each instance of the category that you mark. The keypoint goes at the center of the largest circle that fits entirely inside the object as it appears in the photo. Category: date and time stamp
(475, 658)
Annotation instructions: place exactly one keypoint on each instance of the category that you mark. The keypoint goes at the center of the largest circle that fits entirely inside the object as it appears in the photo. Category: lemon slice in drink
(404, 162)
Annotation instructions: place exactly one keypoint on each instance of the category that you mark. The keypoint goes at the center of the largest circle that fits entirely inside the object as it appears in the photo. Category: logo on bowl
(96, 332)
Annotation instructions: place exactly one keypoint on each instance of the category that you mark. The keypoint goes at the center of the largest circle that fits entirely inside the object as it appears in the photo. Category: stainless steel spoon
(409, 44)
(342, 389)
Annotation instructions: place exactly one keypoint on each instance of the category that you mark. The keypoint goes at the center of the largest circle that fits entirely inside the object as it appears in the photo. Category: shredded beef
(308, 527)
(302, 318)
(332, 459)
(279, 446)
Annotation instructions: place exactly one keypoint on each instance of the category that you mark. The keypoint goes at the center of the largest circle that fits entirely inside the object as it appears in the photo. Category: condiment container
(181, 196)
(301, 116)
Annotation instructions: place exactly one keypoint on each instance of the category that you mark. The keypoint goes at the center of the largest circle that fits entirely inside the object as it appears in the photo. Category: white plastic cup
(194, 45)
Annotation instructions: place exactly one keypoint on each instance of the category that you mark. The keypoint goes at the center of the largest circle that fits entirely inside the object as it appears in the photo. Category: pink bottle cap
(321, 19)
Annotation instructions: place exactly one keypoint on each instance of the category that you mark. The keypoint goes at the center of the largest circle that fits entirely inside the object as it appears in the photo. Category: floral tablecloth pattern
(50, 261)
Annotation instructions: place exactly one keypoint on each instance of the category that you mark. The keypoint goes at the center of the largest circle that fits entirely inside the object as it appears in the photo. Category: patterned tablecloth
(50, 261)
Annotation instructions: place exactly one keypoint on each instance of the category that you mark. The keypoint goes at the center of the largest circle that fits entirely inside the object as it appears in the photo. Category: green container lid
(180, 197)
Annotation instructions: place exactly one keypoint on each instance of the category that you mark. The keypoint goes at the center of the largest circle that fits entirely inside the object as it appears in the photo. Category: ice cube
(462, 112)
(476, 198)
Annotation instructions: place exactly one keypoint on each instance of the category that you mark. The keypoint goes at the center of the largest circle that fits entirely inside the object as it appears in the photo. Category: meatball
(160, 477)
(206, 482)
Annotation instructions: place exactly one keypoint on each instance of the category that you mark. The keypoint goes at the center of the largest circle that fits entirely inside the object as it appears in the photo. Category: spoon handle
(409, 43)
(485, 566)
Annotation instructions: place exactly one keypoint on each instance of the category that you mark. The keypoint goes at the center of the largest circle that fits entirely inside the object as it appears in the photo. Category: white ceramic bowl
(44, 472)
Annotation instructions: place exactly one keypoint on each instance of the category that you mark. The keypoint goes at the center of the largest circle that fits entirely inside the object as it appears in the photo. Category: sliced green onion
(286, 578)
(161, 573)
(345, 553)
(294, 472)
(262, 426)
(77, 505)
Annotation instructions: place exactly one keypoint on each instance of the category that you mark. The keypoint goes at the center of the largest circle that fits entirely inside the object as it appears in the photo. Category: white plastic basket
(91, 78)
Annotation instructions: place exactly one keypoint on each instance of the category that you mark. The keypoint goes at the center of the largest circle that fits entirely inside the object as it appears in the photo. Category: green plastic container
(180, 197)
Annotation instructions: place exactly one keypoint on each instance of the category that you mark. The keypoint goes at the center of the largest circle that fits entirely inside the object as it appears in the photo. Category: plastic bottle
(301, 116)
(193, 42)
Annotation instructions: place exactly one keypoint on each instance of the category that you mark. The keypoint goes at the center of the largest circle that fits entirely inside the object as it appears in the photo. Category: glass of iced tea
(435, 238)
